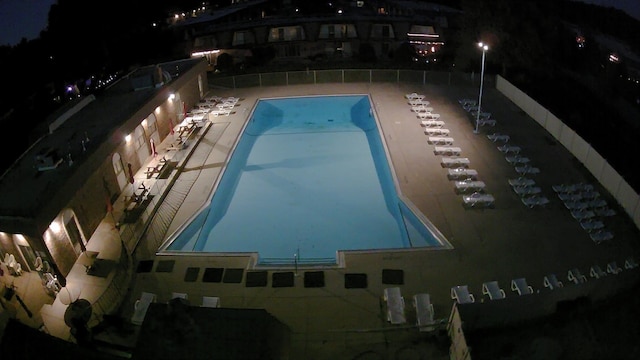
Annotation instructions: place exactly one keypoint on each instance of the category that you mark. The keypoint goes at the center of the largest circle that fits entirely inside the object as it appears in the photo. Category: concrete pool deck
(507, 242)
(504, 243)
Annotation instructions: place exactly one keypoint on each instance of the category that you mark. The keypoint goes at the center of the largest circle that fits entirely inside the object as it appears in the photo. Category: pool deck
(503, 243)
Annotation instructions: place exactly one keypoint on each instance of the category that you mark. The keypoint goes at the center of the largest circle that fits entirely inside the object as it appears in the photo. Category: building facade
(55, 195)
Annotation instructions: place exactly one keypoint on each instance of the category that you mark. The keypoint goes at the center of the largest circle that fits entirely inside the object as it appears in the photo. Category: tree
(366, 53)
(224, 62)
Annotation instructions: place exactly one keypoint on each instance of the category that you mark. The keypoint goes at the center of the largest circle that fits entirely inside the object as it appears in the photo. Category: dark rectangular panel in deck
(392, 277)
(314, 279)
(212, 275)
(282, 279)
(355, 281)
(191, 274)
(256, 279)
(232, 276)
(165, 266)
(144, 266)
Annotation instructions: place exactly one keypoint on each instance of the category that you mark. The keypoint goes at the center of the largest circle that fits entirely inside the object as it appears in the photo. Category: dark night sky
(22, 19)
(26, 18)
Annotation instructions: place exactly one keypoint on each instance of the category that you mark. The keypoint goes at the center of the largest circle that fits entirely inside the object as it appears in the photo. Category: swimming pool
(308, 177)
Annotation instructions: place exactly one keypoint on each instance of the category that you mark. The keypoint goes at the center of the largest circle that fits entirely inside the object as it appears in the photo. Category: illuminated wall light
(127, 138)
(55, 227)
(158, 110)
(144, 122)
(172, 96)
(203, 53)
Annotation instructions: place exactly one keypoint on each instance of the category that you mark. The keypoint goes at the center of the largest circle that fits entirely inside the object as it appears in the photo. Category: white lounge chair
(498, 137)
(211, 301)
(576, 205)
(564, 188)
(576, 277)
(592, 225)
(427, 115)
(477, 200)
(630, 263)
(509, 149)
(566, 197)
(447, 150)
(484, 115)
(226, 106)
(596, 272)
(469, 185)
(487, 122)
(432, 123)
(454, 162)
(424, 312)
(421, 109)
(439, 140)
(526, 190)
(462, 174)
(591, 195)
(460, 293)
(436, 131)
(517, 159)
(141, 306)
(582, 214)
(471, 107)
(493, 290)
(527, 169)
(414, 96)
(597, 203)
(221, 112)
(601, 235)
(613, 268)
(551, 281)
(520, 286)
(605, 212)
(534, 200)
(231, 99)
(418, 102)
(395, 305)
(521, 181)
(467, 102)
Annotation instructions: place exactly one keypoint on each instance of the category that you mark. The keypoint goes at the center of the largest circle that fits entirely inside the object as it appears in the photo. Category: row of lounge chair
(421, 107)
(493, 291)
(530, 194)
(587, 207)
(484, 118)
(213, 105)
(395, 309)
(465, 180)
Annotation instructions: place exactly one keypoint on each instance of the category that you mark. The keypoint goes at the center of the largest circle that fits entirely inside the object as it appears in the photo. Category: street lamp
(484, 48)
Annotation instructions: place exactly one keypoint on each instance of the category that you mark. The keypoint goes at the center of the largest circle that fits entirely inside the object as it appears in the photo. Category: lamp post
(484, 48)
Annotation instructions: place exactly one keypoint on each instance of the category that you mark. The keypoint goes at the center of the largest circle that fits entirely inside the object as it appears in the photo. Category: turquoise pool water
(308, 177)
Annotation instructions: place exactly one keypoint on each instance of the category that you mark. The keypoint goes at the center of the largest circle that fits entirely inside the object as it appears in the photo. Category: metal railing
(311, 77)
